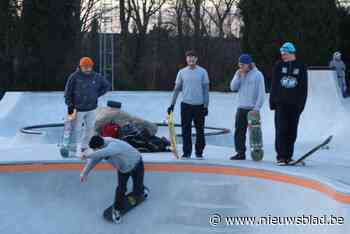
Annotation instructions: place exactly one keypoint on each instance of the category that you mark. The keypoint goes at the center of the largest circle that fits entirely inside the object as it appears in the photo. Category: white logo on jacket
(296, 71)
(289, 82)
(284, 70)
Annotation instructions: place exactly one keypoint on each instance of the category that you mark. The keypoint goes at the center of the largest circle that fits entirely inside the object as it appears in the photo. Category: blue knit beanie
(288, 47)
(245, 59)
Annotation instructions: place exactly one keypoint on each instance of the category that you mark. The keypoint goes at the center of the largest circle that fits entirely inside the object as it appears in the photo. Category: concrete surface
(52, 200)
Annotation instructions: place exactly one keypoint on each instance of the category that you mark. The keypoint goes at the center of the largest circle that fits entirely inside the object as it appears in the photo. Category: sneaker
(285, 162)
(186, 156)
(238, 156)
(116, 216)
(145, 192)
(281, 162)
(290, 161)
(199, 156)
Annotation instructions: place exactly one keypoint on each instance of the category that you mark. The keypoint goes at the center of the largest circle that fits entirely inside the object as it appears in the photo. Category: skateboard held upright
(65, 147)
(172, 134)
(255, 136)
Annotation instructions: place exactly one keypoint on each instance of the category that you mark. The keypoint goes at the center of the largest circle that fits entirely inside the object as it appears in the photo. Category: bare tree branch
(143, 10)
(222, 8)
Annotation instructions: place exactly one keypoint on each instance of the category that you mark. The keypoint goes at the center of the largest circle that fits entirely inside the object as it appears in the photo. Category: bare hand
(241, 71)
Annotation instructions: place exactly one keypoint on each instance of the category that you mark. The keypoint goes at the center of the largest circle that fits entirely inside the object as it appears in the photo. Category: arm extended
(91, 163)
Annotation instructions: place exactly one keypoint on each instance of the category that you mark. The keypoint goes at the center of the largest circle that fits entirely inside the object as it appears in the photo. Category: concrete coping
(333, 189)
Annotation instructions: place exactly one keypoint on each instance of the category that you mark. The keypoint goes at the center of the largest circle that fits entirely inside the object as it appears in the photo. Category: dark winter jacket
(82, 91)
(289, 85)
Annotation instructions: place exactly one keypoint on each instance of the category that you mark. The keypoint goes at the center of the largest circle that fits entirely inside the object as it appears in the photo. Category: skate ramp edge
(337, 191)
(184, 196)
(9, 102)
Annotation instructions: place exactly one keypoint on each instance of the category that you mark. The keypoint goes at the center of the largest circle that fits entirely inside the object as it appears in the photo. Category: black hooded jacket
(289, 85)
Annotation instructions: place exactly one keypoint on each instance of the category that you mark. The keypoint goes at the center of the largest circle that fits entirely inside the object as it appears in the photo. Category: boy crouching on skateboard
(125, 159)
(248, 81)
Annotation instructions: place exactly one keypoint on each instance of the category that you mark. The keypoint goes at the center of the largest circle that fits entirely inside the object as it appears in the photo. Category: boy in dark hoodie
(287, 98)
(82, 91)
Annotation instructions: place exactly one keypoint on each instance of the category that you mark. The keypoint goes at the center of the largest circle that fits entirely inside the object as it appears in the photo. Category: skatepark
(41, 192)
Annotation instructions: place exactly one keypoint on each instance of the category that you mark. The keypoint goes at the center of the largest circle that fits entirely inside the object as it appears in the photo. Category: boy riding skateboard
(248, 81)
(125, 159)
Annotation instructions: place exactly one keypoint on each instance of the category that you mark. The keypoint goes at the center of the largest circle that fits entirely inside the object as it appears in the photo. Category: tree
(141, 13)
(8, 40)
(34, 39)
(91, 43)
(124, 16)
(193, 10)
(178, 22)
(220, 12)
(311, 25)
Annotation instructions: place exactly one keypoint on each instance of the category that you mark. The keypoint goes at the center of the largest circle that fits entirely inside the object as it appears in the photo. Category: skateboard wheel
(257, 155)
(132, 200)
(64, 153)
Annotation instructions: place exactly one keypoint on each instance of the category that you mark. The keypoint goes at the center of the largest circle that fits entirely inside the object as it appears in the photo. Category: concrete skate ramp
(324, 113)
(49, 198)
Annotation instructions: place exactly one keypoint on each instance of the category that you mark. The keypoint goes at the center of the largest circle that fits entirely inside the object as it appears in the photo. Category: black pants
(286, 124)
(138, 188)
(241, 125)
(193, 113)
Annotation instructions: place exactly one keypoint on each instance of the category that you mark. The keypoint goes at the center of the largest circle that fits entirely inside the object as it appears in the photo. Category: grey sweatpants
(83, 129)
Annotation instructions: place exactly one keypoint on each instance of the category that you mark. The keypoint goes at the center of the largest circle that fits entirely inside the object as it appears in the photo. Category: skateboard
(312, 151)
(65, 147)
(255, 136)
(130, 203)
(172, 134)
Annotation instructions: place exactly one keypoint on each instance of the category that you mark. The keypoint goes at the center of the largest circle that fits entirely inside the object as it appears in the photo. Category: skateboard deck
(255, 136)
(172, 134)
(312, 151)
(130, 203)
(65, 148)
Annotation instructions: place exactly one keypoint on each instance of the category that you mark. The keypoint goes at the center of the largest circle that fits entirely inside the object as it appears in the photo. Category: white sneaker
(116, 217)
(145, 192)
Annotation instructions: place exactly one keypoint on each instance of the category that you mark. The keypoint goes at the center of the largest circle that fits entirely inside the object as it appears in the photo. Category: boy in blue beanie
(248, 81)
(288, 96)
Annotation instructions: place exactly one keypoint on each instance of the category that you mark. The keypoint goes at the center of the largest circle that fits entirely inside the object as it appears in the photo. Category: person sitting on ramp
(125, 159)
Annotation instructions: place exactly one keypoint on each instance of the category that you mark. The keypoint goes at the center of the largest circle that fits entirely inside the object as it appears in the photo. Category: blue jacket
(82, 91)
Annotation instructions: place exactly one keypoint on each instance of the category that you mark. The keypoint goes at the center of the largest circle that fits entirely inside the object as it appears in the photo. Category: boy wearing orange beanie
(83, 88)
